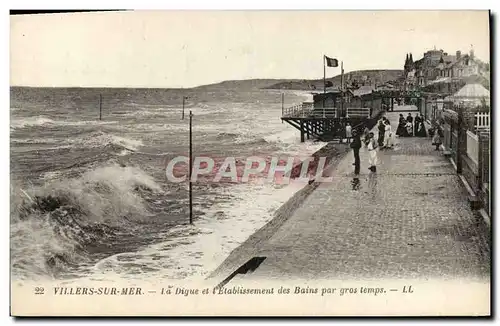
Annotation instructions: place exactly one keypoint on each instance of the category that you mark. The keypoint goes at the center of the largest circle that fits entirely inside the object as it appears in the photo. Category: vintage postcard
(250, 163)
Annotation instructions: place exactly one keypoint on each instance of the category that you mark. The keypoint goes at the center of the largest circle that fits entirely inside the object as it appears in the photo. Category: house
(439, 65)
(458, 66)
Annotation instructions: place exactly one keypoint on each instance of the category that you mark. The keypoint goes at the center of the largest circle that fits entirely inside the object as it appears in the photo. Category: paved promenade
(410, 219)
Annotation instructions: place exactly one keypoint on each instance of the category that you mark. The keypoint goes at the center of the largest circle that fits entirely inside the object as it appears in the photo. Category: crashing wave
(54, 226)
(44, 121)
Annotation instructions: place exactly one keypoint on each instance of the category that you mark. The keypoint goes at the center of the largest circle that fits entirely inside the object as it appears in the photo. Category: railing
(466, 133)
(358, 112)
(325, 112)
(305, 110)
(298, 111)
(473, 146)
(483, 120)
(447, 136)
(454, 142)
(484, 169)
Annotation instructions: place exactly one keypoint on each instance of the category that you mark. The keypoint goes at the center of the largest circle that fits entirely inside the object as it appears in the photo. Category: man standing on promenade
(381, 132)
(356, 145)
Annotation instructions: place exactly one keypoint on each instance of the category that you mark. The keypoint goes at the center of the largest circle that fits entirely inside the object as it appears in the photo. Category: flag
(330, 62)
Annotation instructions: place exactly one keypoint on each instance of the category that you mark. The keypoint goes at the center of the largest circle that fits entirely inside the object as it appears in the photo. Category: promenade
(410, 219)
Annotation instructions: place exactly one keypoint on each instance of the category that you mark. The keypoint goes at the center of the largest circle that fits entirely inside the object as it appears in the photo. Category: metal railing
(305, 110)
(302, 110)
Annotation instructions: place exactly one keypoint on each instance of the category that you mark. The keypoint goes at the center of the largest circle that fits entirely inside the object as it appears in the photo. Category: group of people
(409, 127)
(385, 134)
(370, 144)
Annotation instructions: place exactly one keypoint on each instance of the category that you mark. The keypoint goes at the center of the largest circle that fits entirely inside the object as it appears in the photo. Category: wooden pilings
(302, 125)
(323, 129)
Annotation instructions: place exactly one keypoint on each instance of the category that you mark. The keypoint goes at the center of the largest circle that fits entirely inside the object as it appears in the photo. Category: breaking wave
(44, 121)
(30, 121)
(95, 139)
(102, 139)
(55, 227)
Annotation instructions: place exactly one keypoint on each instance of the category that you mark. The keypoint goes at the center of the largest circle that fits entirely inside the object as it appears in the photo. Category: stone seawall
(334, 153)
(248, 249)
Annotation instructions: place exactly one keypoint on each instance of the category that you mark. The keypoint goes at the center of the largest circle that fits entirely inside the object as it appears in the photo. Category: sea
(90, 198)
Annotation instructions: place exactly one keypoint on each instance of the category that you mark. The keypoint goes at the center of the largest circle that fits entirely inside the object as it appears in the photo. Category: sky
(192, 48)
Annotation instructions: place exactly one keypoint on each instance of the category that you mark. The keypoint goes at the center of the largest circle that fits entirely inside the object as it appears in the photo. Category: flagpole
(342, 86)
(324, 75)
(342, 75)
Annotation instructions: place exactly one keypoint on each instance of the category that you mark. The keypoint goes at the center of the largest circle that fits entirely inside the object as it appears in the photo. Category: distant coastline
(375, 75)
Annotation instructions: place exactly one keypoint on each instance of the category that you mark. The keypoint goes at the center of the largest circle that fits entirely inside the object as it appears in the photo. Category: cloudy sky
(185, 49)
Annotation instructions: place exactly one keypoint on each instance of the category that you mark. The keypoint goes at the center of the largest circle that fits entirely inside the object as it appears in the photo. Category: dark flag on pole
(331, 62)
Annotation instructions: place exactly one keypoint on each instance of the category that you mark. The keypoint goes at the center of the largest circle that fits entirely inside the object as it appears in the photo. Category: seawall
(244, 252)
(334, 153)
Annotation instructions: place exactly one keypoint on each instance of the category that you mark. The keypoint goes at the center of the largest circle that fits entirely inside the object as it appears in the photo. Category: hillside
(245, 84)
(375, 76)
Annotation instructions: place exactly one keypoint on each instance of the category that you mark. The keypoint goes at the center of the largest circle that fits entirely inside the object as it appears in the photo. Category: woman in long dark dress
(416, 123)
(420, 128)
(401, 131)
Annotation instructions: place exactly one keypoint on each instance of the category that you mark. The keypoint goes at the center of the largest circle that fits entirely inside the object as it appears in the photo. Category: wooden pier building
(325, 118)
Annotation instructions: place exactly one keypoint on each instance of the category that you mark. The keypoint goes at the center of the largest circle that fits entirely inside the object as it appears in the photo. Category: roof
(385, 88)
(440, 80)
(449, 58)
(363, 90)
(329, 94)
(472, 91)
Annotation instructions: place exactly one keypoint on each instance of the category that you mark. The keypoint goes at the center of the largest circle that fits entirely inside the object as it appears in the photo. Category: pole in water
(100, 106)
(282, 105)
(183, 99)
(190, 168)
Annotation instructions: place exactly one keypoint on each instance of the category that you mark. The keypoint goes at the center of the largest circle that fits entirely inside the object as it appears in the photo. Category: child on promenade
(436, 138)
(348, 132)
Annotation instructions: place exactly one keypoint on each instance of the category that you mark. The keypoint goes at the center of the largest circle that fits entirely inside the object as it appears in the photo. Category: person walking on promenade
(409, 120)
(409, 129)
(372, 150)
(356, 145)
(348, 132)
(436, 138)
(416, 122)
(420, 128)
(366, 132)
(401, 131)
(381, 132)
(388, 135)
